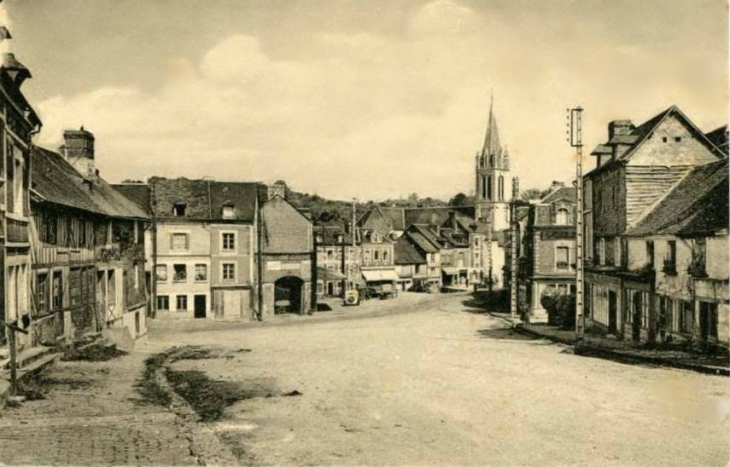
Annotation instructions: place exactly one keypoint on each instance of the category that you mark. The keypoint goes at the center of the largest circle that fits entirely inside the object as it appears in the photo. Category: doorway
(199, 306)
(612, 311)
(288, 295)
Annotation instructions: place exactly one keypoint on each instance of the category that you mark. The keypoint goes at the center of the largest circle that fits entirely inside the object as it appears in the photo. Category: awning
(450, 271)
(327, 275)
(387, 275)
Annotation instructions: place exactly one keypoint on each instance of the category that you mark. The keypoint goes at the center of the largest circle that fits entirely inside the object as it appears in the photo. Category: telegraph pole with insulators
(575, 138)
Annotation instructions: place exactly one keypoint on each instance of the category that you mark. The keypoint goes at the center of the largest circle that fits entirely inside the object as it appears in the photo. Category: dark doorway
(199, 306)
(288, 295)
(330, 289)
(636, 318)
(612, 311)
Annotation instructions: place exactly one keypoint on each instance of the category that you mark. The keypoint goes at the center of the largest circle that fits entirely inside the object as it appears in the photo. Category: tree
(533, 193)
(457, 200)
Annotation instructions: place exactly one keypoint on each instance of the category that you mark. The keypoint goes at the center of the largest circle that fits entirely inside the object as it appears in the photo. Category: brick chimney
(277, 189)
(620, 127)
(78, 150)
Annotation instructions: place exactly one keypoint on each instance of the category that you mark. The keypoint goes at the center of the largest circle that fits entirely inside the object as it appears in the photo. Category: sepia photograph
(364, 233)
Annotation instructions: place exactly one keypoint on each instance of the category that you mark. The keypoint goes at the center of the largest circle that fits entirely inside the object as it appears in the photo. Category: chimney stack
(78, 150)
(277, 189)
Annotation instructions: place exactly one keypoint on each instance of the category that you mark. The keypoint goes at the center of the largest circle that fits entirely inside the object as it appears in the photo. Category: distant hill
(326, 211)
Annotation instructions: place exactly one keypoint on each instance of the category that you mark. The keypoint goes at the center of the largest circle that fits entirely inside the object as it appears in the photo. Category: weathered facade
(547, 258)
(19, 124)
(287, 258)
(637, 168)
(87, 249)
(206, 244)
(338, 261)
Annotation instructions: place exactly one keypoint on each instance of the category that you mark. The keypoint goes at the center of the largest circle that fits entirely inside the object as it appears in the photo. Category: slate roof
(204, 199)
(329, 233)
(719, 137)
(406, 253)
(567, 193)
(698, 204)
(425, 242)
(54, 180)
(137, 192)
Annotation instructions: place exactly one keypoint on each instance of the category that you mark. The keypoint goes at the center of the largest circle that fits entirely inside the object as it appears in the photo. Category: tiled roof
(137, 192)
(54, 180)
(406, 253)
(697, 204)
(204, 199)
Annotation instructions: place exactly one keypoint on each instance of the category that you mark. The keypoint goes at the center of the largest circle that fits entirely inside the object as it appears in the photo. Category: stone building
(547, 257)
(637, 167)
(204, 247)
(338, 261)
(286, 259)
(681, 247)
(87, 249)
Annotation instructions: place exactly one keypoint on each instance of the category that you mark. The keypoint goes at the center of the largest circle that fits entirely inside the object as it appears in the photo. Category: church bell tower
(493, 181)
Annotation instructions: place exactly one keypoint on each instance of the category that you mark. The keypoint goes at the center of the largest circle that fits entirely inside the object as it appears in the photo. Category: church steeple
(492, 145)
(493, 183)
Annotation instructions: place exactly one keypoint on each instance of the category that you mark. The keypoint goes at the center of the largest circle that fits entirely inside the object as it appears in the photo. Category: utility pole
(575, 138)
(514, 251)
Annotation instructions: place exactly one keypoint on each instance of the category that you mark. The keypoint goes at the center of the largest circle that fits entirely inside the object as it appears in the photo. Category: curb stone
(591, 350)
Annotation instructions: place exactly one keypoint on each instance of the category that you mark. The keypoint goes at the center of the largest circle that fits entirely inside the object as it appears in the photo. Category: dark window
(163, 302)
(677, 139)
(664, 139)
(699, 258)
(181, 273)
(650, 253)
(686, 317)
(670, 260)
(178, 210)
(57, 291)
(182, 302)
(49, 228)
(74, 286)
(41, 293)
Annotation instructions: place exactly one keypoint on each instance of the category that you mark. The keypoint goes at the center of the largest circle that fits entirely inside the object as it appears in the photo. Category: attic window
(228, 211)
(664, 139)
(677, 139)
(178, 209)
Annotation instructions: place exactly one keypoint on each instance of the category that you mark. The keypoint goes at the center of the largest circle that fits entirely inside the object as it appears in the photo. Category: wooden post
(13, 362)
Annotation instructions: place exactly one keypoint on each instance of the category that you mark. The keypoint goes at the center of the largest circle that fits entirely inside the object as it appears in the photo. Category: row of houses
(73, 258)
(655, 231)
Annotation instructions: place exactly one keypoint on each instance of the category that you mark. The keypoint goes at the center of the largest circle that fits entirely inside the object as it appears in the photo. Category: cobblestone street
(434, 384)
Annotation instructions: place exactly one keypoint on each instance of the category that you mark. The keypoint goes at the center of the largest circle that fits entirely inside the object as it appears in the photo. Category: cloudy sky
(369, 98)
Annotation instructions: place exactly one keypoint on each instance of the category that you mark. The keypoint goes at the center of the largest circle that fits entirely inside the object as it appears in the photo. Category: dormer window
(179, 208)
(561, 217)
(228, 211)
(376, 238)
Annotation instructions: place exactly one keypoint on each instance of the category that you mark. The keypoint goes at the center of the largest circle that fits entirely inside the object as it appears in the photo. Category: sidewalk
(629, 352)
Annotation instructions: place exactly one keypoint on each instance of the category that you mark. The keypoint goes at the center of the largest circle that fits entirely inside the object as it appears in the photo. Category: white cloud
(372, 115)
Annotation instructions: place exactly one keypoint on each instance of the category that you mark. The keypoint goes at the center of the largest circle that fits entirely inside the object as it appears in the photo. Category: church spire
(491, 140)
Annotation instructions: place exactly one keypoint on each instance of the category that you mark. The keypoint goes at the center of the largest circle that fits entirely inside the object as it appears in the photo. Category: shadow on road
(503, 334)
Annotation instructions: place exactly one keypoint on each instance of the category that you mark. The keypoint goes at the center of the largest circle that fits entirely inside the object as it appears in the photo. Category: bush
(560, 307)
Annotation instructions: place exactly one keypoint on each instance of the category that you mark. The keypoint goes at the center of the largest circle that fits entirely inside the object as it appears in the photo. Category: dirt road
(445, 386)
(429, 382)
